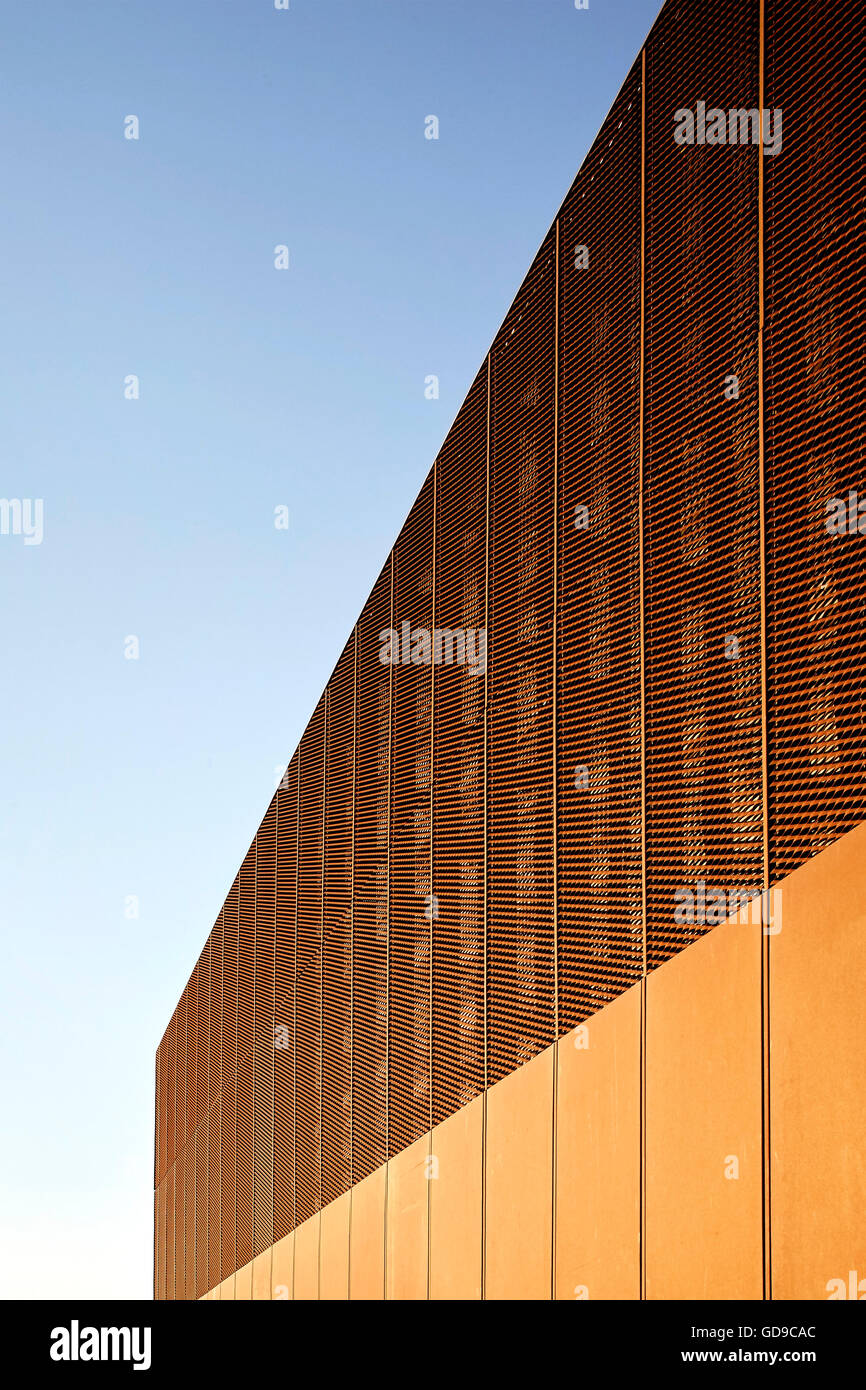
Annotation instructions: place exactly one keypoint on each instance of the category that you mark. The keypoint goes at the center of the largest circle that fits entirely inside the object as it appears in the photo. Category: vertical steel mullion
(766, 1172)
(433, 905)
(486, 1071)
(555, 740)
(642, 606)
(352, 960)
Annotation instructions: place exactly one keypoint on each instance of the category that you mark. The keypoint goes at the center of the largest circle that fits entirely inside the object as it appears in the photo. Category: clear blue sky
(258, 388)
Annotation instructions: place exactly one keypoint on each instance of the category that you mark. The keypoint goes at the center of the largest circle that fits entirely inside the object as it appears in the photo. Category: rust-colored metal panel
(600, 937)
(180, 1064)
(701, 479)
(456, 1204)
(282, 1268)
(598, 1168)
(227, 1288)
(170, 1233)
(214, 1191)
(703, 1120)
(244, 1101)
(171, 1092)
(407, 1224)
(337, 936)
(201, 1138)
(202, 1038)
(261, 1280)
(458, 762)
(215, 1013)
(285, 969)
(520, 938)
(817, 1046)
(308, 1012)
(159, 1247)
(367, 1238)
(519, 1198)
(263, 1079)
(370, 910)
(410, 905)
(244, 1282)
(189, 1250)
(815, 427)
(307, 1258)
(334, 1249)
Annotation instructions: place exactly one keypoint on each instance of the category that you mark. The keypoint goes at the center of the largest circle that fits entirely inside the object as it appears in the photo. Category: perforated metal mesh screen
(553, 721)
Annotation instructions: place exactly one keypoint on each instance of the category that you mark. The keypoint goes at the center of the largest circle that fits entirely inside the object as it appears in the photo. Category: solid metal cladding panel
(411, 907)
(230, 984)
(214, 1196)
(815, 436)
(263, 1081)
(337, 937)
(458, 766)
(520, 942)
(308, 1056)
(202, 1035)
(599, 697)
(244, 1147)
(284, 1002)
(244, 1101)
(370, 907)
(214, 1051)
(702, 518)
(228, 1178)
(202, 1139)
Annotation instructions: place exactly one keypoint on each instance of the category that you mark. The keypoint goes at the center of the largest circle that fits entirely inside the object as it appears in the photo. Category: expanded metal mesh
(550, 729)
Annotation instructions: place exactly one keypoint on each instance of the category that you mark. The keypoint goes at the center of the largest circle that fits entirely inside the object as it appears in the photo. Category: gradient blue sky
(258, 388)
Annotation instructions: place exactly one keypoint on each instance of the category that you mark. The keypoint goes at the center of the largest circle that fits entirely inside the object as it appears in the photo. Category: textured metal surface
(599, 697)
(461, 860)
(815, 432)
(701, 503)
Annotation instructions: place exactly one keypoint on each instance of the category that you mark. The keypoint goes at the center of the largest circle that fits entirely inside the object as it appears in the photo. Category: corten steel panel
(455, 1204)
(411, 907)
(701, 507)
(334, 1249)
(180, 1066)
(519, 1164)
(228, 1122)
(214, 1195)
(191, 1053)
(284, 1002)
(282, 1268)
(406, 1226)
(520, 942)
(244, 1282)
(817, 1107)
(367, 1238)
(227, 1288)
(189, 1251)
(308, 1015)
(263, 1080)
(160, 1251)
(262, 1275)
(161, 1101)
(215, 1013)
(171, 1091)
(598, 668)
(202, 1036)
(370, 909)
(815, 339)
(458, 764)
(202, 1137)
(704, 1232)
(307, 1259)
(230, 983)
(598, 1155)
(170, 1233)
(337, 939)
(244, 1120)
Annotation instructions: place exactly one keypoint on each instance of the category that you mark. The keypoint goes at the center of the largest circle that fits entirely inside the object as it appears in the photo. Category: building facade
(542, 975)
